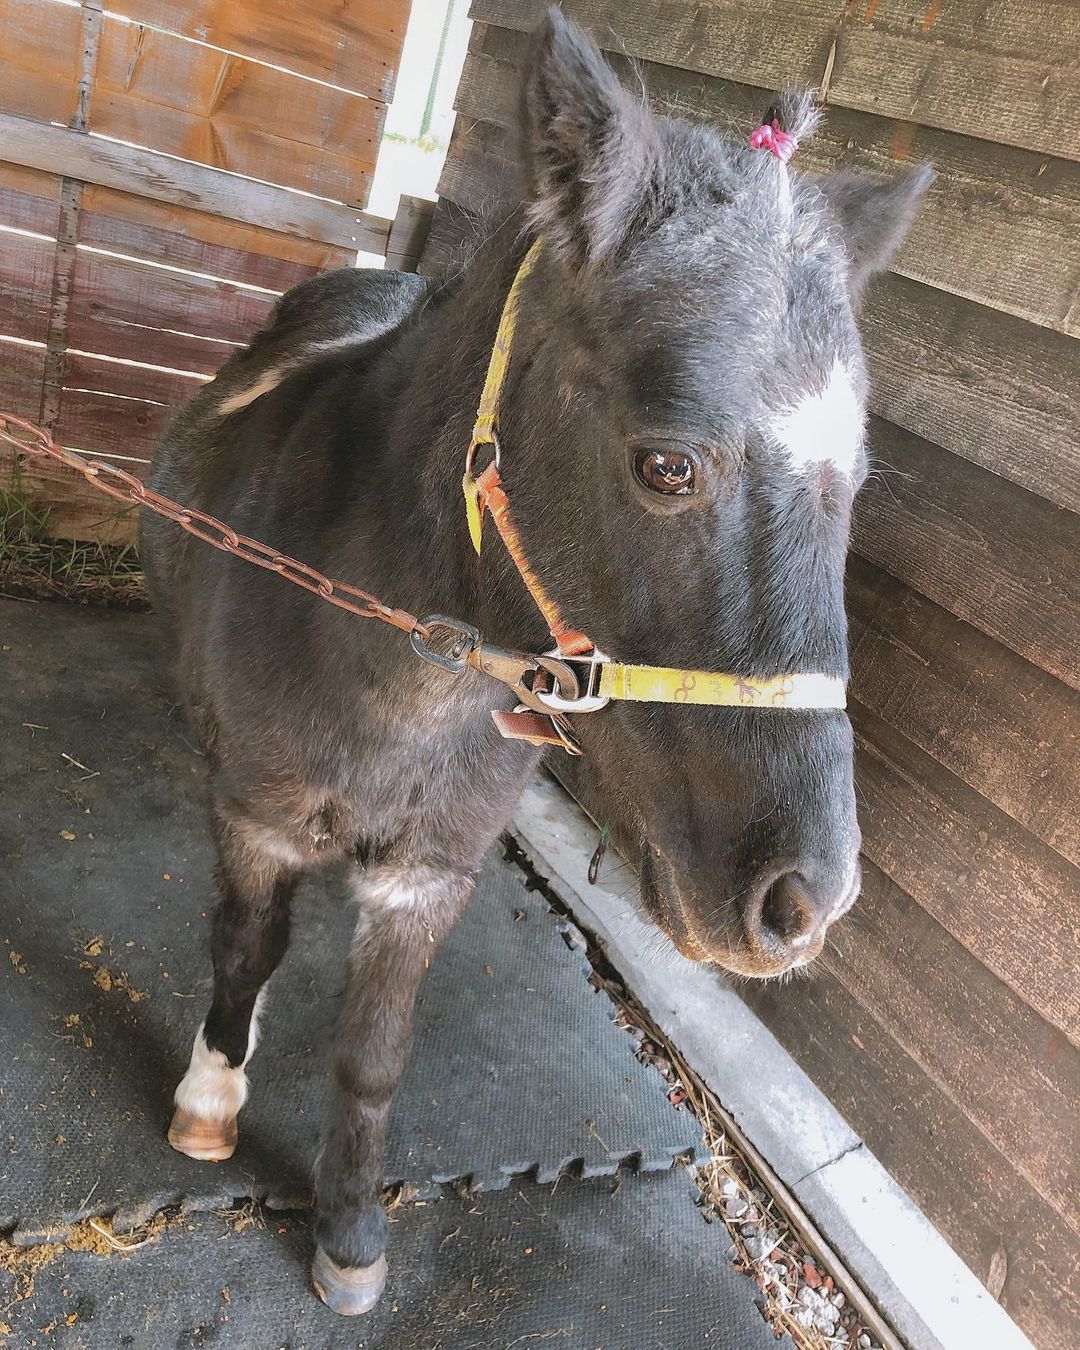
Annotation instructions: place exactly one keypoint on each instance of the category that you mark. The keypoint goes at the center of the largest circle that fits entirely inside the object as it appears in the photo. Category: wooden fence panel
(129, 428)
(925, 830)
(986, 1048)
(354, 46)
(1000, 225)
(26, 271)
(983, 70)
(41, 44)
(22, 370)
(167, 170)
(198, 103)
(1006, 71)
(1001, 725)
(945, 1025)
(770, 44)
(987, 386)
(967, 539)
(200, 242)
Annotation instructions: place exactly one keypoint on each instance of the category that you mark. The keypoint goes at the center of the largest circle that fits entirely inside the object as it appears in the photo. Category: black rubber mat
(590, 1265)
(104, 895)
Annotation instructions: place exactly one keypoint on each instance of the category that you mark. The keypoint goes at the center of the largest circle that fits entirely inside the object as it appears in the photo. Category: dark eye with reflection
(668, 471)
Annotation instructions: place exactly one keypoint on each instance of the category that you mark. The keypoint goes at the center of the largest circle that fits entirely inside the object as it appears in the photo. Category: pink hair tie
(770, 137)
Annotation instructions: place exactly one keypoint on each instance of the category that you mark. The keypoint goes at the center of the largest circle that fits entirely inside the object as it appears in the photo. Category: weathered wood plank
(29, 200)
(127, 379)
(193, 101)
(991, 388)
(22, 370)
(983, 70)
(199, 242)
(125, 292)
(409, 233)
(965, 1186)
(1002, 725)
(992, 1054)
(983, 548)
(121, 308)
(357, 47)
(42, 55)
(769, 44)
(1006, 72)
(26, 271)
(1004, 896)
(147, 173)
(110, 423)
(988, 202)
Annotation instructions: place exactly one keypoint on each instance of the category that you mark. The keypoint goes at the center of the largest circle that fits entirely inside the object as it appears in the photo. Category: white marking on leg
(212, 1089)
(824, 427)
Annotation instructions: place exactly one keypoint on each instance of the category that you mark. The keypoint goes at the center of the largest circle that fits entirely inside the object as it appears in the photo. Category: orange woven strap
(493, 498)
(484, 491)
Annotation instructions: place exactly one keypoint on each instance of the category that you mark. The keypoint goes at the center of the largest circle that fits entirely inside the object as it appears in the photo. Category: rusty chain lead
(125, 487)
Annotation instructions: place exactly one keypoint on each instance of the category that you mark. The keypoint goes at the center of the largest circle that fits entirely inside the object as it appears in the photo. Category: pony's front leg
(249, 938)
(404, 914)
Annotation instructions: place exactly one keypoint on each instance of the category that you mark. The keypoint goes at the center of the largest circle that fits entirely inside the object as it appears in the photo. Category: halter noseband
(585, 679)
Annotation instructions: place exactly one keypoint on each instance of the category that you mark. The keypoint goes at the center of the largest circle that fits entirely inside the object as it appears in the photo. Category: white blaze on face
(824, 428)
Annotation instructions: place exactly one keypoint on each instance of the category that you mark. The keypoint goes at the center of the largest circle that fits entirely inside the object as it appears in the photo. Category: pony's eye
(668, 471)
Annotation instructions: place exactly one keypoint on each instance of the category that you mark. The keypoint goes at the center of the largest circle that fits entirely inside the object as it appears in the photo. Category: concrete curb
(921, 1286)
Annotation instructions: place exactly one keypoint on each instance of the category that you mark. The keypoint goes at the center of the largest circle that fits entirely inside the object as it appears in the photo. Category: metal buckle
(470, 455)
(458, 658)
(518, 671)
(588, 700)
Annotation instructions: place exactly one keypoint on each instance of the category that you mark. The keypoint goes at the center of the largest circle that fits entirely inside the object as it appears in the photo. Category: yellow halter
(604, 679)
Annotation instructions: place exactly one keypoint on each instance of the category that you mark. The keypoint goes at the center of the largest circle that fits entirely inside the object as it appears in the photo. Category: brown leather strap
(534, 727)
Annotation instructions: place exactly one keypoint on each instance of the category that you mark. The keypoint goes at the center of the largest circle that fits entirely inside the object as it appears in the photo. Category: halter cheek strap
(600, 678)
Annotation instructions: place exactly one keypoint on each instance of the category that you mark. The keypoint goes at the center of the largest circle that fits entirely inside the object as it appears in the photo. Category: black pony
(681, 438)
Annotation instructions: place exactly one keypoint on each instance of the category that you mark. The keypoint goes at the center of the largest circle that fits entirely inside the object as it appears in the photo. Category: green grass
(34, 566)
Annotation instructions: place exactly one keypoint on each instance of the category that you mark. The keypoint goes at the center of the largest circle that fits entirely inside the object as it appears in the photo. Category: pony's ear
(875, 214)
(592, 152)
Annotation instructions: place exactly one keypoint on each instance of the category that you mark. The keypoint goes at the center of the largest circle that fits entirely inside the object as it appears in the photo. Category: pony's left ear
(592, 151)
(875, 215)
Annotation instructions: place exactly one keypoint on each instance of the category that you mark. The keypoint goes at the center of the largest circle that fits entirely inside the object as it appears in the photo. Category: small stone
(864, 1341)
(804, 1317)
(748, 1230)
(838, 1299)
(736, 1207)
(811, 1275)
(730, 1187)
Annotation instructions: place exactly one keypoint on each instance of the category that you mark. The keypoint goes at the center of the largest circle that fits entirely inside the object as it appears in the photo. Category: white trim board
(924, 1289)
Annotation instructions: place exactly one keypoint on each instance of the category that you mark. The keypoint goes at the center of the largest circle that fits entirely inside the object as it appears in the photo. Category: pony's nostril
(786, 915)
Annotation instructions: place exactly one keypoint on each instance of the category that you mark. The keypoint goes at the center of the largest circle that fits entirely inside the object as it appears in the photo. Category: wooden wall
(152, 161)
(945, 1026)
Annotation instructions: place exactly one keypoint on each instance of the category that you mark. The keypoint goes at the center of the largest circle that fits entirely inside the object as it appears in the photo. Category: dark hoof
(206, 1140)
(347, 1290)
